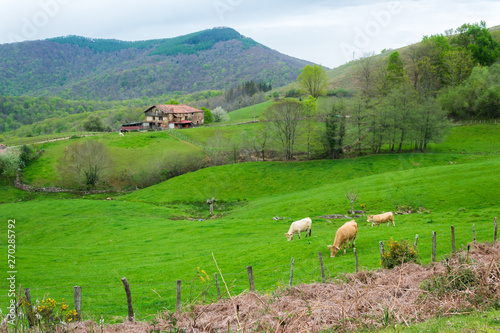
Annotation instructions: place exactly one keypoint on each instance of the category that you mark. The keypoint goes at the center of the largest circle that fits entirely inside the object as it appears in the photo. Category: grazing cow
(120, 134)
(345, 234)
(298, 226)
(381, 218)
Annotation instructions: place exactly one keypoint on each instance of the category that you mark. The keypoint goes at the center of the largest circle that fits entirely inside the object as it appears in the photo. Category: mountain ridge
(76, 67)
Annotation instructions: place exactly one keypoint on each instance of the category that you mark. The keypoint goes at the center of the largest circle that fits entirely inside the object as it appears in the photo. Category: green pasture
(206, 134)
(476, 322)
(247, 113)
(129, 153)
(163, 233)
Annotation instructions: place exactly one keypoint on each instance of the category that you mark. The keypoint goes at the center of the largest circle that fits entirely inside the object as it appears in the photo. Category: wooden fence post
(473, 233)
(77, 291)
(453, 239)
(250, 278)
(129, 299)
(495, 232)
(356, 256)
(433, 246)
(29, 308)
(178, 303)
(415, 246)
(291, 274)
(217, 285)
(322, 268)
(381, 245)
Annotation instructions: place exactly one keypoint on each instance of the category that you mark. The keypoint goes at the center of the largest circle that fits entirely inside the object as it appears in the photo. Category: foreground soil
(367, 300)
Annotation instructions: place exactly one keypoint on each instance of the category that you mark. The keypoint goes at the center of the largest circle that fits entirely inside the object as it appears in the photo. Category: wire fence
(474, 121)
(149, 298)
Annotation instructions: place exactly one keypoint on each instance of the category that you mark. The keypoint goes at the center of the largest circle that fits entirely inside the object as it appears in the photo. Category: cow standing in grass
(345, 234)
(298, 226)
(381, 218)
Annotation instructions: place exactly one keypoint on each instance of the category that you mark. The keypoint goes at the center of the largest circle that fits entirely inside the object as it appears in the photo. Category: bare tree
(85, 164)
(284, 117)
(352, 196)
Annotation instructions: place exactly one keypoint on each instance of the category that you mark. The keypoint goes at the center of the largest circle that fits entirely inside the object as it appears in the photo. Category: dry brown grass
(368, 299)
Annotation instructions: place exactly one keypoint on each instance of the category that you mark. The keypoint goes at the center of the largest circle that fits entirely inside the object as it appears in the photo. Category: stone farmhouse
(172, 116)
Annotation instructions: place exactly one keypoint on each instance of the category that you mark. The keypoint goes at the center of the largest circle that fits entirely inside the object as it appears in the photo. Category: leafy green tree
(478, 96)
(402, 103)
(94, 123)
(313, 79)
(458, 65)
(479, 41)
(284, 117)
(430, 123)
(395, 68)
(209, 118)
(358, 113)
(335, 129)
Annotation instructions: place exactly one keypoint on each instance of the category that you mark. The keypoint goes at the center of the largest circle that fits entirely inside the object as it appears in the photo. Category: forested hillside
(92, 69)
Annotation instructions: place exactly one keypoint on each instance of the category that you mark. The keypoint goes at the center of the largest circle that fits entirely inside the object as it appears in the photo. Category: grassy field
(477, 322)
(248, 113)
(129, 153)
(163, 233)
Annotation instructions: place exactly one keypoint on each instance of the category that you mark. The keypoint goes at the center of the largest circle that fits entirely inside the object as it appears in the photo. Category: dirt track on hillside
(368, 299)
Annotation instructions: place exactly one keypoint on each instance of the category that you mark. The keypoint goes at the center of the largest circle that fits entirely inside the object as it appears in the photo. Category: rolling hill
(76, 67)
(162, 233)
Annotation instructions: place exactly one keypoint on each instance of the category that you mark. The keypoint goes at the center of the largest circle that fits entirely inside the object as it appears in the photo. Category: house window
(186, 118)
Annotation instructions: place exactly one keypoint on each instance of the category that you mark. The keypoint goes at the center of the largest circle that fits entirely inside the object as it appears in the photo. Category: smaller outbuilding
(132, 127)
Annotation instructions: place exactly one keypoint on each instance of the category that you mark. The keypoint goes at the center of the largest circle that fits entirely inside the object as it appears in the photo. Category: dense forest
(93, 69)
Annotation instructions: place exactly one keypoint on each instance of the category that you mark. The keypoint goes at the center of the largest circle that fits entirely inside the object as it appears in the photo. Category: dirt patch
(367, 300)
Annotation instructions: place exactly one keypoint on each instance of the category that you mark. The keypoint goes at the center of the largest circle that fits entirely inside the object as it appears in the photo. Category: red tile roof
(168, 108)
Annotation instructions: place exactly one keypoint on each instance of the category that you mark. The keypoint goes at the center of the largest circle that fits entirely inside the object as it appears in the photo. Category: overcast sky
(329, 33)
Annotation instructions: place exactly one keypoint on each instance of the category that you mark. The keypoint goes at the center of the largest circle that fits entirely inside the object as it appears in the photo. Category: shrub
(49, 314)
(459, 278)
(9, 163)
(26, 155)
(398, 253)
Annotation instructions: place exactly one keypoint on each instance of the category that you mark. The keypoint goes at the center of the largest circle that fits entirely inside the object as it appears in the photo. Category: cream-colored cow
(298, 226)
(381, 218)
(345, 234)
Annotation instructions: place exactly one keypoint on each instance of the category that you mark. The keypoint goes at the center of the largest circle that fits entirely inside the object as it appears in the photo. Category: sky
(329, 33)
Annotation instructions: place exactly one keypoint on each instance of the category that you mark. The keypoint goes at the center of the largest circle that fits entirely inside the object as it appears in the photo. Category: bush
(9, 163)
(292, 92)
(398, 253)
(455, 279)
(26, 156)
